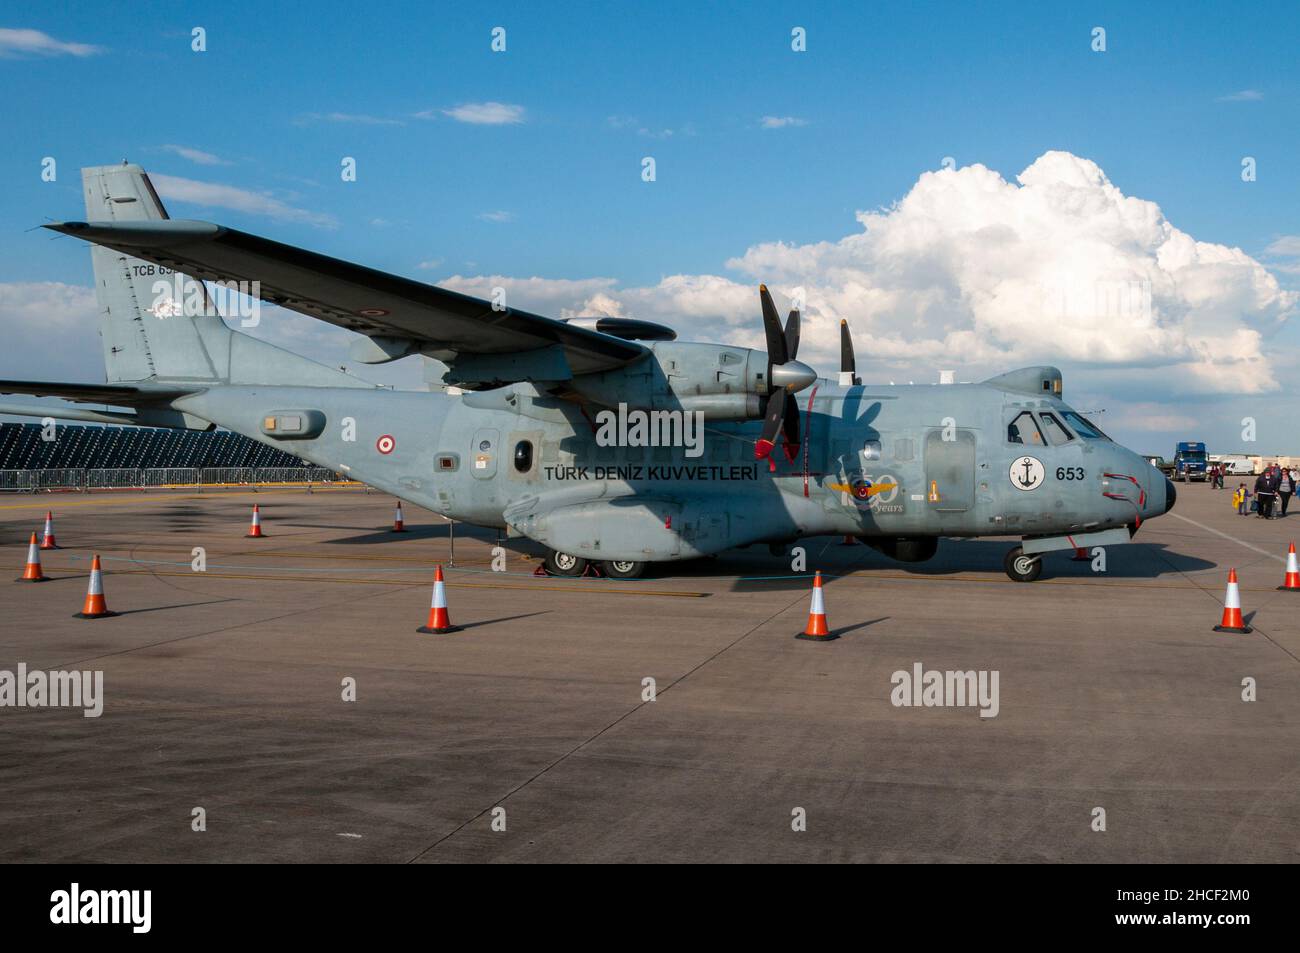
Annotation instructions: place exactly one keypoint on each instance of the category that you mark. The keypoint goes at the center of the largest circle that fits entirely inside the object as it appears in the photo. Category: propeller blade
(776, 405)
(848, 365)
(776, 353)
(790, 429)
(792, 334)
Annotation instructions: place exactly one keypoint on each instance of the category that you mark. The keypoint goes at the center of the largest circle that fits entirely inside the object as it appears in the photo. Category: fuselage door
(950, 471)
(483, 454)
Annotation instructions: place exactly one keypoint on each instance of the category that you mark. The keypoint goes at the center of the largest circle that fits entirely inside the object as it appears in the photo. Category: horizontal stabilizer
(121, 395)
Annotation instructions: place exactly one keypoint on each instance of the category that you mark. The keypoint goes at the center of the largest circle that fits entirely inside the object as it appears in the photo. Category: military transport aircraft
(584, 435)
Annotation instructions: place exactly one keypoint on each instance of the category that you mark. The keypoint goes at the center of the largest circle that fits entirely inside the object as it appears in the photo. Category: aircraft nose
(1170, 494)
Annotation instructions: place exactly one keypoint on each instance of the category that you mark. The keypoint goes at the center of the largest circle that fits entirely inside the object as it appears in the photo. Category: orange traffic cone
(1292, 581)
(95, 607)
(32, 571)
(439, 621)
(255, 528)
(47, 538)
(816, 630)
(398, 525)
(1232, 621)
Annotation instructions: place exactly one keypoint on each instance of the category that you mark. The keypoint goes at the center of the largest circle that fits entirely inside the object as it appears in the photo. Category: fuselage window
(524, 456)
(1055, 430)
(1023, 430)
(871, 450)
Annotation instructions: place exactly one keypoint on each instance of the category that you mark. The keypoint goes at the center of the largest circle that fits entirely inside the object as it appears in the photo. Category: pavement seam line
(617, 721)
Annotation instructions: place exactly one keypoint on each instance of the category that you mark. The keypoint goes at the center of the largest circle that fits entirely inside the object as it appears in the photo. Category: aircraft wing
(481, 345)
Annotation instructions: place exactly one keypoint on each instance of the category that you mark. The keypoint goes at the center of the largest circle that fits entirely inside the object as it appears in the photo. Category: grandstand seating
(93, 448)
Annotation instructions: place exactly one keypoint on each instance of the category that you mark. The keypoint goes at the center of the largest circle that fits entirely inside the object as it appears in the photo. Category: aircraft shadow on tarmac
(759, 570)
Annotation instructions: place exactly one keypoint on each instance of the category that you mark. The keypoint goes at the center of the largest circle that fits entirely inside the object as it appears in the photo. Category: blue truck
(1190, 462)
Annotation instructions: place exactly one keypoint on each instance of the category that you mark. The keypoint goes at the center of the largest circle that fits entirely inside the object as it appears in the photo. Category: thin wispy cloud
(1286, 251)
(430, 264)
(499, 216)
(36, 43)
(197, 156)
(480, 114)
(360, 119)
(214, 195)
(646, 131)
(781, 122)
(1241, 96)
(1287, 245)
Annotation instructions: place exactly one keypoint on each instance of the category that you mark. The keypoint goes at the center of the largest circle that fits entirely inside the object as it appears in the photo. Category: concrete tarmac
(223, 691)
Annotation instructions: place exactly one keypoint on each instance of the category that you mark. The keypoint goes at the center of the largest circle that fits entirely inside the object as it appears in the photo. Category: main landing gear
(565, 564)
(1022, 568)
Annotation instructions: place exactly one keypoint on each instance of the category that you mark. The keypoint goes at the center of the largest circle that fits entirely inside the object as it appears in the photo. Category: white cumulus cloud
(975, 272)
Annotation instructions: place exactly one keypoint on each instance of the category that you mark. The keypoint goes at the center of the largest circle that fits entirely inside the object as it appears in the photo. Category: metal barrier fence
(31, 481)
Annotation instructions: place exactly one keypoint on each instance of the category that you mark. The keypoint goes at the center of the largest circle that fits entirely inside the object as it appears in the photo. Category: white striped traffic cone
(816, 630)
(47, 538)
(1232, 621)
(255, 528)
(95, 607)
(32, 571)
(1292, 581)
(439, 620)
(398, 525)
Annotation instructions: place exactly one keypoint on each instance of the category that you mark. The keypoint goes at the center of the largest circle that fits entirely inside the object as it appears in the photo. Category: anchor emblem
(1026, 473)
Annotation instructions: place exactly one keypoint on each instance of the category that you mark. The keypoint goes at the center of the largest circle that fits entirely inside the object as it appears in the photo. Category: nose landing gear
(1022, 568)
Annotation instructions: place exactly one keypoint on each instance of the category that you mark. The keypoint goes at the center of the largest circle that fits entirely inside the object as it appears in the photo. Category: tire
(563, 564)
(1022, 568)
(623, 569)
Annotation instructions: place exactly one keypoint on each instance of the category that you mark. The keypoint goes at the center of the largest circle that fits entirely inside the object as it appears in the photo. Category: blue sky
(883, 93)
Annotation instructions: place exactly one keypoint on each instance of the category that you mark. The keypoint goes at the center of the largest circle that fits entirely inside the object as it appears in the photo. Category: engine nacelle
(724, 382)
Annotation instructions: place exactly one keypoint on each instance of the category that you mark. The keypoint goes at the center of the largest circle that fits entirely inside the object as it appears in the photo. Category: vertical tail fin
(144, 335)
(150, 326)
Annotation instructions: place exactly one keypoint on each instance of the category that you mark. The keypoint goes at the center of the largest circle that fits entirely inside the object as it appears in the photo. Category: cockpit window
(1082, 427)
(1023, 430)
(1055, 430)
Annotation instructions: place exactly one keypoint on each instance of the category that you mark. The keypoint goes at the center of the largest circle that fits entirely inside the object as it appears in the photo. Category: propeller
(848, 364)
(785, 375)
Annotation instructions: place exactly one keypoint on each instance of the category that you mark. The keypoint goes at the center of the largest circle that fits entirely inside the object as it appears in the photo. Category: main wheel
(622, 569)
(1022, 568)
(563, 564)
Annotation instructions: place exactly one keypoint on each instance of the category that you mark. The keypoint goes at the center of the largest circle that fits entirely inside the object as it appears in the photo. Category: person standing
(1285, 487)
(1263, 495)
(1239, 499)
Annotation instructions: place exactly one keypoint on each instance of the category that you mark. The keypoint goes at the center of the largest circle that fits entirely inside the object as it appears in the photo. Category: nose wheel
(1022, 568)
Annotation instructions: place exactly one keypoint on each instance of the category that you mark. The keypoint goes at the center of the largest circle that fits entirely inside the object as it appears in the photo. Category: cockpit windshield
(1082, 427)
